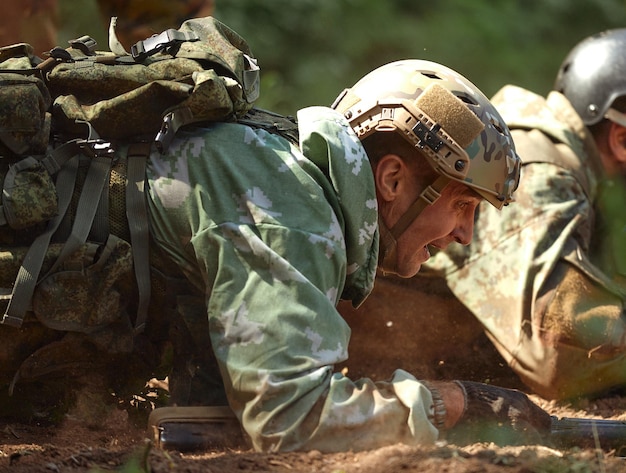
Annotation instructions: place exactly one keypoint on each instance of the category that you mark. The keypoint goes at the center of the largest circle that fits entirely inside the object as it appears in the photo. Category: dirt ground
(426, 345)
(123, 445)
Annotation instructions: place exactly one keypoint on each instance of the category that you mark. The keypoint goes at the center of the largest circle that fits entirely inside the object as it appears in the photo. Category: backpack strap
(285, 126)
(67, 157)
(137, 216)
(100, 229)
(97, 177)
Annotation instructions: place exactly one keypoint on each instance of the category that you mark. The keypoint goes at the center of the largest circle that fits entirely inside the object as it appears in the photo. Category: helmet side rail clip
(421, 131)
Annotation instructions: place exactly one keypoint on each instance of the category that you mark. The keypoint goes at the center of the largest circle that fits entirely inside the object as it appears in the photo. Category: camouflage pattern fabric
(274, 237)
(79, 319)
(210, 77)
(536, 275)
(28, 194)
(24, 103)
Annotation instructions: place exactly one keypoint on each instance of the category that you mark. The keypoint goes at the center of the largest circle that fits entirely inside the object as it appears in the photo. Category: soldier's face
(449, 219)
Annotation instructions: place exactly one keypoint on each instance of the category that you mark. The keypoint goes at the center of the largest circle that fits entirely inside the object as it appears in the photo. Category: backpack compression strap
(66, 157)
(137, 216)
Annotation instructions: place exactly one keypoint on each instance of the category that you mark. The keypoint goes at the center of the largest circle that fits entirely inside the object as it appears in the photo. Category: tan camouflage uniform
(543, 277)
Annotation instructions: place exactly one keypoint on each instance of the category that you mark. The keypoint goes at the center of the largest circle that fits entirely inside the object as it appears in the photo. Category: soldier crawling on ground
(270, 233)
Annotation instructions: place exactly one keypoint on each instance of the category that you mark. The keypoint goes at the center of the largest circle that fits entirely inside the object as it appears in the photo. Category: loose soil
(119, 444)
(427, 341)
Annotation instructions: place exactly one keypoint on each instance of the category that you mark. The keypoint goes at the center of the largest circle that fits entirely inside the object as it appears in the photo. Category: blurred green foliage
(309, 50)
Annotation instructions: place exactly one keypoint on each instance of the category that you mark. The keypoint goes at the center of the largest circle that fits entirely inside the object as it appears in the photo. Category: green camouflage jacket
(540, 275)
(275, 237)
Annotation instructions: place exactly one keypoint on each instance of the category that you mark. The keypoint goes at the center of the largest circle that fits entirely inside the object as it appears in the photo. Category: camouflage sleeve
(277, 336)
(262, 232)
(584, 334)
(509, 276)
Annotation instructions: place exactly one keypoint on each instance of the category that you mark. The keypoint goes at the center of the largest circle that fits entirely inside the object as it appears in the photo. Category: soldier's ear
(390, 176)
(617, 142)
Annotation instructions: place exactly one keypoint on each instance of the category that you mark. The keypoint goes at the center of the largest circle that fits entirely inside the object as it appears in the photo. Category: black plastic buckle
(158, 42)
(94, 146)
(86, 44)
(61, 54)
(428, 136)
(97, 148)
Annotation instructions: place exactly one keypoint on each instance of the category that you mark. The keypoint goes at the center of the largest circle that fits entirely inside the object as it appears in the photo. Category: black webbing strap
(100, 228)
(137, 216)
(28, 274)
(97, 177)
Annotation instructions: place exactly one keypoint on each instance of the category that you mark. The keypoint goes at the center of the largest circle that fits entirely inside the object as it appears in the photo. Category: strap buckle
(97, 148)
(94, 146)
(86, 44)
(428, 136)
(158, 42)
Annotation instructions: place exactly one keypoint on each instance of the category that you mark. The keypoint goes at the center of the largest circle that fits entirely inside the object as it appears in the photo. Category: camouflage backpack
(76, 130)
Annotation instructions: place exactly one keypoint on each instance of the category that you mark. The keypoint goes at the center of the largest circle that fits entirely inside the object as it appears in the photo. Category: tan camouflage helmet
(442, 114)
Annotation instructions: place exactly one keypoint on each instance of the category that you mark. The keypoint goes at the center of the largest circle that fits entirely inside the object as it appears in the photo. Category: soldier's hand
(499, 415)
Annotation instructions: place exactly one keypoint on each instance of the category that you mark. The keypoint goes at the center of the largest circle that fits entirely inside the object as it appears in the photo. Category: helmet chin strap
(387, 256)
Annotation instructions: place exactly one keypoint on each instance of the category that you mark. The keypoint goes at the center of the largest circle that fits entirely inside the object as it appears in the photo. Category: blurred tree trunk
(29, 21)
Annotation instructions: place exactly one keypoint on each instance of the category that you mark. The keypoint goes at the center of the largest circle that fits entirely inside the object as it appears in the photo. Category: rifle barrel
(606, 434)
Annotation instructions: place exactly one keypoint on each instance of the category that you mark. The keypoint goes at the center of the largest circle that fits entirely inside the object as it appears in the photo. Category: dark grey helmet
(593, 75)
